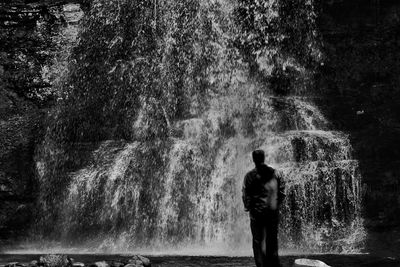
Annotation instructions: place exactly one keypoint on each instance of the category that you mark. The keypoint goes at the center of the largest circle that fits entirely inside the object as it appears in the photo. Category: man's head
(258, 157)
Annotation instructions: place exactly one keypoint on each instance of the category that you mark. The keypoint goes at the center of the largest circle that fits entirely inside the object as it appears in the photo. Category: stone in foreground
(14, 264)
(100, 264)
(55, 260)
(309, 263)
(138, 261)
(144, 260)
(116, 264)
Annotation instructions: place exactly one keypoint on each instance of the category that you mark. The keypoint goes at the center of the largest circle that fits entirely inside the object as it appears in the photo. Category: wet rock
(55, 260)
(144, 260)
(117, 264)
(17, 187)
(15, 264)
(100, 264)
(309, 263)
(138, 261)
(78, 264)
(134, 258)
(34, 39)
(33, 263)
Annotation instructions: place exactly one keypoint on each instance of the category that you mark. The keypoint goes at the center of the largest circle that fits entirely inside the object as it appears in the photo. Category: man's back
(261, 190)
(271, 194)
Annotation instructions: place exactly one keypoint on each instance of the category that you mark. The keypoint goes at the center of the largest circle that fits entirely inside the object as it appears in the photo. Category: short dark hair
(258, 156)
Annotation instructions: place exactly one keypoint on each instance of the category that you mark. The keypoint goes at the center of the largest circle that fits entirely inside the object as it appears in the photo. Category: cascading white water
(184, 192)
(196, 197)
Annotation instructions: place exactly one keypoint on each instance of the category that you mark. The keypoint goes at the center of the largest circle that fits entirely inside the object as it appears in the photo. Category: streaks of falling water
(197, 196)
(186, 192)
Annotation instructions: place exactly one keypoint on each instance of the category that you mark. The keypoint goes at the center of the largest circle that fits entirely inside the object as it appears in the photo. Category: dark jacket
(263, 190)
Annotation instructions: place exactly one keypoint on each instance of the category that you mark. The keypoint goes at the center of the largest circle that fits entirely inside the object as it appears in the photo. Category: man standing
(263, 191)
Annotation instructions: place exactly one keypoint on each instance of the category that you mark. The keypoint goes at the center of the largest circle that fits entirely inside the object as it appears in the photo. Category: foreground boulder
(117, 264)
(60, 260)
(100, 264)
(55, 260)
(14, 264)
(309, 263)
(138, 261)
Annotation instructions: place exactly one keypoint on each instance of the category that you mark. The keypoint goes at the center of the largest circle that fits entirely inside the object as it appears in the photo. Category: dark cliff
(361, 90)
(34, 40)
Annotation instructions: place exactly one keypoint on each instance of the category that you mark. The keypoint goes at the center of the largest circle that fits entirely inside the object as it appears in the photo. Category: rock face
(361, 80)
(34, 41)
(17, 171)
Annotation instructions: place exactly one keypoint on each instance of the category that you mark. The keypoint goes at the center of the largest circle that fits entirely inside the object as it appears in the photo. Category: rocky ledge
(59, 260)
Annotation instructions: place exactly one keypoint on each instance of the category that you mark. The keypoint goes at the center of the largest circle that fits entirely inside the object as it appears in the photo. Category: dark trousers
(264, 228)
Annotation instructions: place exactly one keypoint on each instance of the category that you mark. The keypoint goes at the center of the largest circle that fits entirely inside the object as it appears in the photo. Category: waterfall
(184, 191)
(196, 199)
